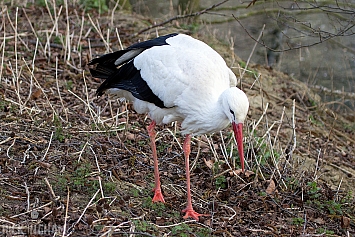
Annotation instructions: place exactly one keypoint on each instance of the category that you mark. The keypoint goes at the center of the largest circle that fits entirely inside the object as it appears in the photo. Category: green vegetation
(314, 121)
(221, 182)
(80, 180)
(326, 204)
(265, 154)
(134, 192)
(262, 194)
(184, 230)
(86, 4)
(69, 85)
(95, 4)
(297, 221)
(58, 39)
(325, 231)
(143, 226)
(157, 207)
(252, 73)
(313, 190)
(42, 3)
(292, 183)
(192, 27)
(59, 130)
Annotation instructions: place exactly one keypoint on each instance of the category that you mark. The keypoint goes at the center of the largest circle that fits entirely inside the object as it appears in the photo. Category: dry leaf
(247, 173)
(44, 164)
(235, 172)
(130, 136)
(209, 163)
(89, 219)
(160, 221)
(205, 150)
(345, 222)
(47, 209)
(36, 94)
(319, 221)
(271, 187)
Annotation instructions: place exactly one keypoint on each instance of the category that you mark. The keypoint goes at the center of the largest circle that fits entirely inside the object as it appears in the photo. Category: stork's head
(235, 105)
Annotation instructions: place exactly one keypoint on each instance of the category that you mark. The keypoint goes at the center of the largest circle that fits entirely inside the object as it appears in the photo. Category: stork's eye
(231, 112)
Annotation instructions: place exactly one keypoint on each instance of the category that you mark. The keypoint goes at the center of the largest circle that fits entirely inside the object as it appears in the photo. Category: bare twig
(179, 17)
(252, 51)
(82, 214)
(66, 213)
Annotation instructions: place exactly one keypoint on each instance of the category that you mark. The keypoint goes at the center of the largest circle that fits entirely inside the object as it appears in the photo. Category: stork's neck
(218, 120)
(211, 117)
(208, 115)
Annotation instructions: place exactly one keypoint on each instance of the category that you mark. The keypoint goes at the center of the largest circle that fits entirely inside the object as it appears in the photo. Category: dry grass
(76, 165)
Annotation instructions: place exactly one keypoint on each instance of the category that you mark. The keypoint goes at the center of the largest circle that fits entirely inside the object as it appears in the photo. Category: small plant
(292, 183)
(203, 232)
(182, 230)
(58, 39)
(262, 194)
(69, 85)
(95, 4)
(314, 121)
(185, 230)
(297, 221)
(42, 3)
(312, 102)
(193, 27)
(334, 207)
(143, 226)
(264, 152)
(313, 190)
(324, 231)
(109, 187)
(79, 181)
(243, 64)
(141, 143)
(134, 192)
(3, 104)
(221, 182)
(140, 225)
(158, 207)
(162, 147)
(59, 131)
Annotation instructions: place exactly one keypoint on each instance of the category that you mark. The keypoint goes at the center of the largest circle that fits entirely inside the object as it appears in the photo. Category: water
(330, 64)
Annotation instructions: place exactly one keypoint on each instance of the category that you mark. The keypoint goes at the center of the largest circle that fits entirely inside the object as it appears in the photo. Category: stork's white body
(189, 77)
(176, 78)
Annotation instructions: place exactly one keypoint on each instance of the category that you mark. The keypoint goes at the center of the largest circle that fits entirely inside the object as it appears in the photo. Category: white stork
(176, 78)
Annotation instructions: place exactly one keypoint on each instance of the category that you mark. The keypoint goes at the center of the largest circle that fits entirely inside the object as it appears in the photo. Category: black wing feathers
(102, 72)
(153, 42)
(108, 59)
(127, 77)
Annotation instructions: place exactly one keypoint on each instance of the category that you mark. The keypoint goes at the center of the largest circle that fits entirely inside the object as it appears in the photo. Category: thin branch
(179, 17)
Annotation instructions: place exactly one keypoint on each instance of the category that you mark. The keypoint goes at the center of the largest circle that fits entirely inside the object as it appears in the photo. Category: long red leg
(158, 196)
(189, 210)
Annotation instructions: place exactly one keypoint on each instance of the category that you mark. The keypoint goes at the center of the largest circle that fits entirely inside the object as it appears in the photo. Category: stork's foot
(191, 213)
(158, 196)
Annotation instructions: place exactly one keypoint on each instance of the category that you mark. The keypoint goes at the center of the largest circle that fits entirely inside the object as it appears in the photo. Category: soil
(72, 164)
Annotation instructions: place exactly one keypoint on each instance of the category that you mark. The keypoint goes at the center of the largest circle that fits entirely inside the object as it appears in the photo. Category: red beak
(238, 133)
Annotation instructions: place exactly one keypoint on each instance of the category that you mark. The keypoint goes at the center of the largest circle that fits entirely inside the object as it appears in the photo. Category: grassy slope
(82, 165)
